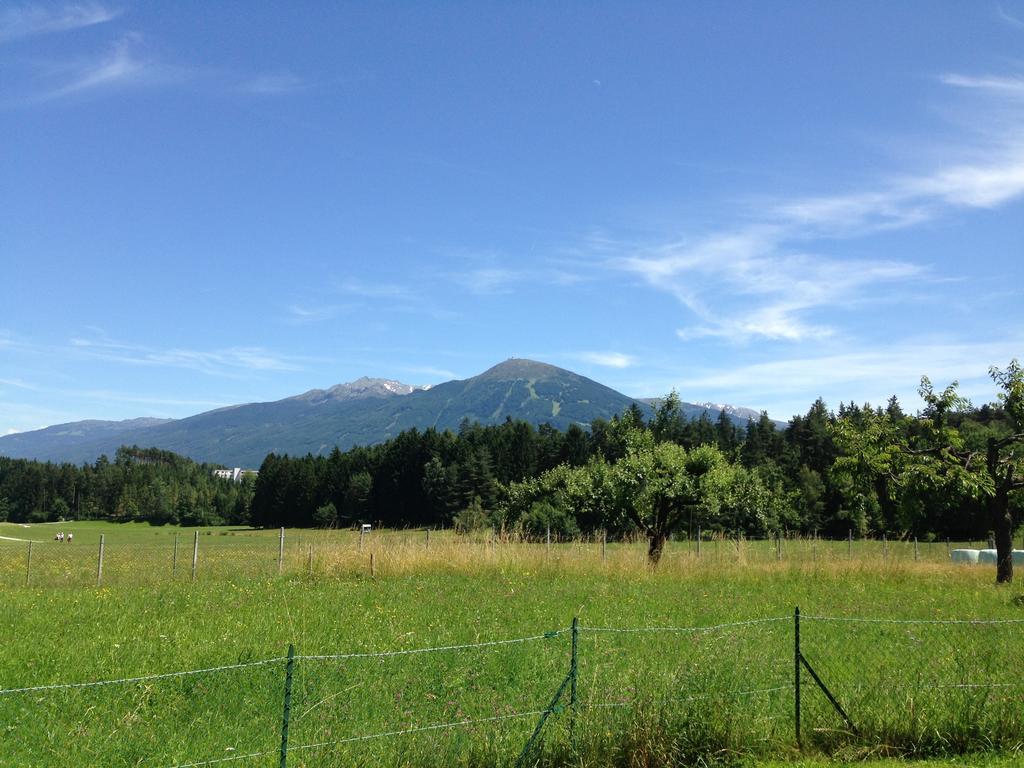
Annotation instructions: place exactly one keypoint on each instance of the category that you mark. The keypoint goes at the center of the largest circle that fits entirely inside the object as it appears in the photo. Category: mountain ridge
(361, 412)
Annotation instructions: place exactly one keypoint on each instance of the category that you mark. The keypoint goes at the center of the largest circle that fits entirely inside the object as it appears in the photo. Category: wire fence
(208, 554)
(550, 698)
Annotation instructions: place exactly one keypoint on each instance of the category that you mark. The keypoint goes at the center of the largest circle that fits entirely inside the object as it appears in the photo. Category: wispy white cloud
(302, 315)
(392, 297)
(984, 82)
(232, 361)
(129, 62)
(122, 65)
(16, 417)
(17, 384)
(1003, 15)
(868, 374)
(745, 285)
(272, 85)
(440, 374)
(110, 396)
(375, 290)
(25, 20)
(606, 359)
(775, 277)
(489, 280)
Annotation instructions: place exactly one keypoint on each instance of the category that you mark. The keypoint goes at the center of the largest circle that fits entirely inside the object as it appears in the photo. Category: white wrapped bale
(964, 555)
(987, 557)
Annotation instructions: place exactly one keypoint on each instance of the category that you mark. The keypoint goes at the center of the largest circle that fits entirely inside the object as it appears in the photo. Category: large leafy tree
(906, 459)
(1004, 465)
(659, 486)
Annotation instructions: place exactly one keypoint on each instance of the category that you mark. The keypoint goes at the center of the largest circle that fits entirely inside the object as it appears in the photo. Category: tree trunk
(1002, 521)
(1002, 525)
(657, 545)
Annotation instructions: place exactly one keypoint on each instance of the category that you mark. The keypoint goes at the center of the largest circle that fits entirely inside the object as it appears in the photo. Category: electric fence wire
(434, 649)
(369, 737)
(702, 697)
(960, 622)
(143, 678)
(709, 628)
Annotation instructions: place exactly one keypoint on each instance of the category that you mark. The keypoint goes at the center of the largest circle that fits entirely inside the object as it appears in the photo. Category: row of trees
(950, 470)
(869, 470)
(142, 484)
(947, 457)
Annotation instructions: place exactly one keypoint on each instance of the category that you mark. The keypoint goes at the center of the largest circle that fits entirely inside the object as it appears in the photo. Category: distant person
(60, 536)
(70, 537)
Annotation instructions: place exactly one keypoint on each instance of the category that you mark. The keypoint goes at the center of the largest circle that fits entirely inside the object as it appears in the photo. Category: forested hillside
(139, 484)
(617, 476)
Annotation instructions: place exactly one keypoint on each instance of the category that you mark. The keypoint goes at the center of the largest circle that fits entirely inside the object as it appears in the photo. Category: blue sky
(755, 203)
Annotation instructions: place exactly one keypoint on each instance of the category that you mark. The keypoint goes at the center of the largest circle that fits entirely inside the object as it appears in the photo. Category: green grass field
(949, 692)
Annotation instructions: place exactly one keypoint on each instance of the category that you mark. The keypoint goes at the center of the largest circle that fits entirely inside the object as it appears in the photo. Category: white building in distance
(234, 475)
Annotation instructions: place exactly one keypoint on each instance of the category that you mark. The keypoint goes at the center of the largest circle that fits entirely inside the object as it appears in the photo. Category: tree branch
(970, 458)
(1005, 441)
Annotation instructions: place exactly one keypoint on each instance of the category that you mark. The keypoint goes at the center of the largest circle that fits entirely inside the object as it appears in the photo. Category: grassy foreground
(645, 698)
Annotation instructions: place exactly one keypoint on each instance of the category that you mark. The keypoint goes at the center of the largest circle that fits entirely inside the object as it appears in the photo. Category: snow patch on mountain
(361, 387)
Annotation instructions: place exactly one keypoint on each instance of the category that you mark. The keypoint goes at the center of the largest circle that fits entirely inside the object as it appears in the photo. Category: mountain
(362, 412)
(739, 415)
(40, 443)
(362, 387)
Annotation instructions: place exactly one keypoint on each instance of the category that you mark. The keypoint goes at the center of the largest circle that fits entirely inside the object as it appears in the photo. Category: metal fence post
(426, 543)
(28, 566)
(195, 554)
(574, 672)
(885, 547)
(280, 551)
(796, 674)
(287, 704)
(849, 544)
(309, 561)
(698, 541)
(549, 536)
(604, 545)
(373, 567)
(915, 549)
(174, 556)
(99, 564)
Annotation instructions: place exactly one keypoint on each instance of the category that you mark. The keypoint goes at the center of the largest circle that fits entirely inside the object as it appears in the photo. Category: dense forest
(139, 484)
(825, 472)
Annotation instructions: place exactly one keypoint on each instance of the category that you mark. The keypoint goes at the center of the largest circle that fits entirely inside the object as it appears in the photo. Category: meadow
(692, 663)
